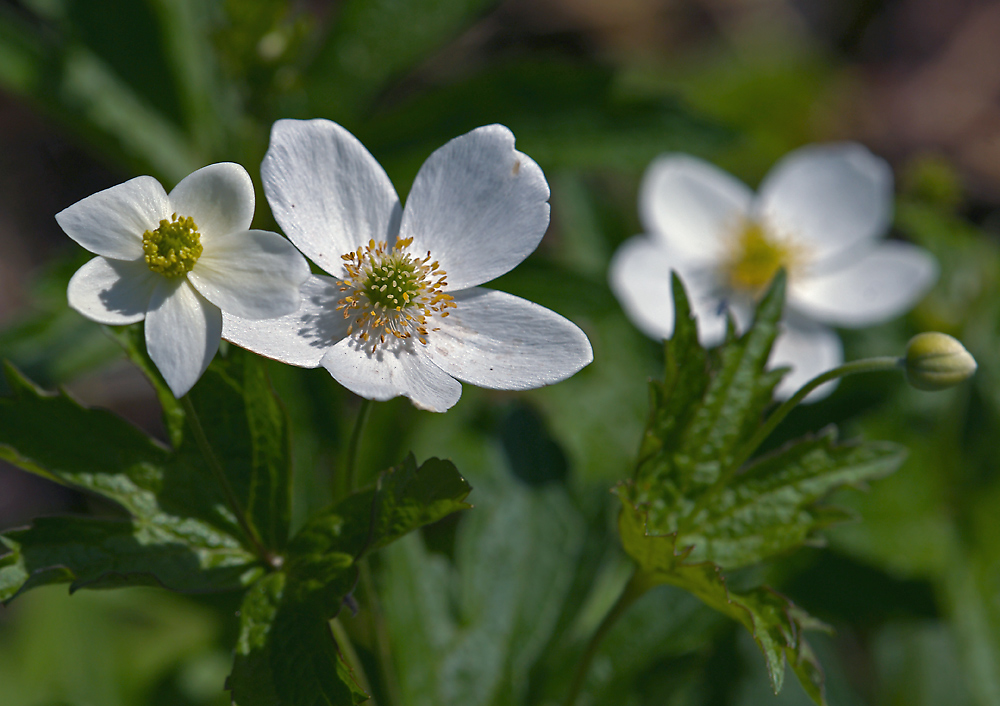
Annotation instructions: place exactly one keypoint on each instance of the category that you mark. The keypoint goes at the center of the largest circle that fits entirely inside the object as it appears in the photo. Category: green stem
(381, 633)
(634, 589)
(227, 490)
(346, 648)
(868, 365)
(349, 482)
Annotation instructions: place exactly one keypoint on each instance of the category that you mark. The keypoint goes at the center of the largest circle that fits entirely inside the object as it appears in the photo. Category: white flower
(820, 213)
(179, 261)
(402, 313)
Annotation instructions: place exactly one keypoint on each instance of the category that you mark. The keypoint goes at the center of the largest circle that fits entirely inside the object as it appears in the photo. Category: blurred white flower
(402, 313)
(180, 261)
(820, 213)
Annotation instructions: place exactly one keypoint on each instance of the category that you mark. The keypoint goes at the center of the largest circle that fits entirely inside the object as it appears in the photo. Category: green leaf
(777, 624)
(177, 554)
(707, 405)
(473, 632)
(249, 433)
(770, 507)
(404, 498)
(286, 653)
(180, 533)
(694, 509)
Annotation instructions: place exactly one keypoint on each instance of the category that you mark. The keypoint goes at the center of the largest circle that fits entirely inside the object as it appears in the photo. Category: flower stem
(349, 481)
(867, 365)
(227, 490)
(380, 631)
(350, 655)
(633, 590)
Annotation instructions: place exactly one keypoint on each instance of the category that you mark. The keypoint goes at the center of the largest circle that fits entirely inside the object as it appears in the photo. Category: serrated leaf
(404, 498)
(769, 508)
(777, 624)
(286, 653)
(706, 407)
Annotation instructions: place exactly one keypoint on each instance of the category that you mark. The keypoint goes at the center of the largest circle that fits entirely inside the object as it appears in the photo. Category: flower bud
(936, 361)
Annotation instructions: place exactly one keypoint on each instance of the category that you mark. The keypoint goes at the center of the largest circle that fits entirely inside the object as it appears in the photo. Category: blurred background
(93, 92)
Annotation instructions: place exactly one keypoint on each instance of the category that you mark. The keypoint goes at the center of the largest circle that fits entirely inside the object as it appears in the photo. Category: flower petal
(809, 349)
(111, 222)
(828, 197)
(881, 285)
(692, 205)
(327, 191)
(255, 274)
(385, 374)
(478, 205)
(218, 197)
(301, 338)
(640, 278)
(114, 292)
(496, 340)
(182, 333)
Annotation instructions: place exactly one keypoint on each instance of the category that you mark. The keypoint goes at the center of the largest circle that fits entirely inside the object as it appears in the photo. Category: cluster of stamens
(755, 257)
(390, 295)
(174, 247)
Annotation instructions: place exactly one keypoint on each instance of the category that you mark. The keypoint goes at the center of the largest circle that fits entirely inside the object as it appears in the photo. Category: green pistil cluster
(393, 282)
(174, 247)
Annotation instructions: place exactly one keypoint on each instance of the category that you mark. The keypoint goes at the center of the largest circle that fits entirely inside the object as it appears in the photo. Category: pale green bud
(936, 361)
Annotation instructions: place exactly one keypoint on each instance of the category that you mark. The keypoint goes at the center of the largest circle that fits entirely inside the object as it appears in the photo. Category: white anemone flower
(402, 313)
(820, 213)
(180, 261)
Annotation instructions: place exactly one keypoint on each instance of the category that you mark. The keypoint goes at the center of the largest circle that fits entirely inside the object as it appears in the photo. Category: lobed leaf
(777, 624)
(707, 405)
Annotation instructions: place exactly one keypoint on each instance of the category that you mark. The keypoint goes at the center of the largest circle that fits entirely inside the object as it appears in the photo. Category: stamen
(390, 294)
(174, 247)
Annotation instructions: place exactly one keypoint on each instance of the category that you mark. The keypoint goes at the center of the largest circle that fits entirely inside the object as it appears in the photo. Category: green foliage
(695, 508)
(285, 649)
(181, 530)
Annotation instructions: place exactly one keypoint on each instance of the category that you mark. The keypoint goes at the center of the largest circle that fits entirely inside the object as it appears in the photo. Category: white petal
(255, 274)
(829, 197)
(301, 338)
(809, 349)
(496, 340)
(693, 205)
(640, 278)
(384, 374)
(327, 191)
(182, 333)
(114, 292)
(879, 286)
(478, 205)
(111, 222)
(218, 197)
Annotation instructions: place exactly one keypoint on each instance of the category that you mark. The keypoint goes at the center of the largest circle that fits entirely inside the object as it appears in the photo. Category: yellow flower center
(390, 295)
(755, 257)
(174, 247)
